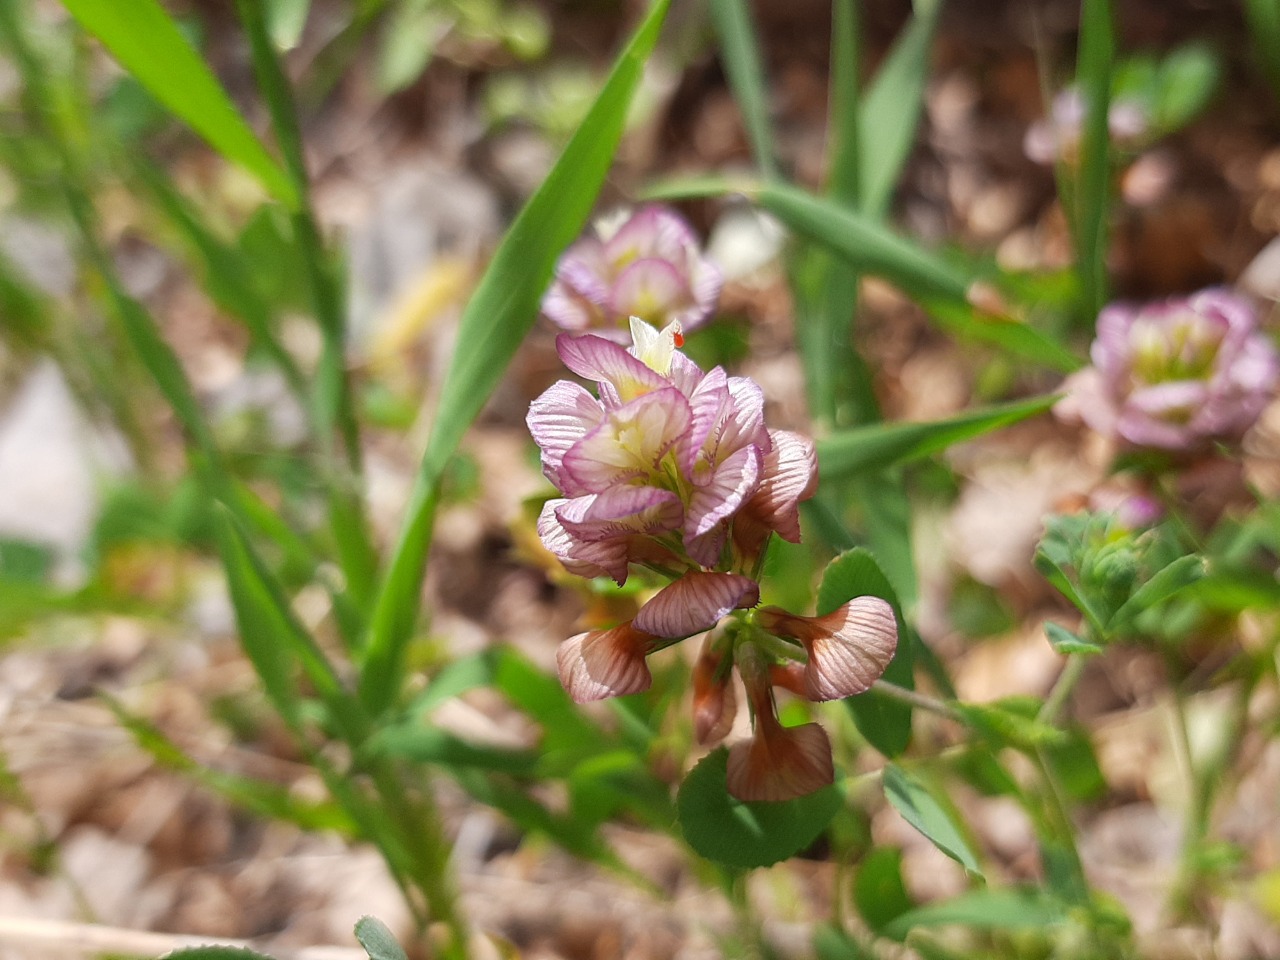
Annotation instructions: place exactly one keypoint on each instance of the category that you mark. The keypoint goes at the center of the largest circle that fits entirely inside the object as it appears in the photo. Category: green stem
(920, 701)
(1203, 786)
(1055, 819)
(1062, 689)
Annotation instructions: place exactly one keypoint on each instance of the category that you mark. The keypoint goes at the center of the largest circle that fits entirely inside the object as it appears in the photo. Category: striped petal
(848, 648)
(695, 603)
(602, 558)
(721, 493)
(779, 763)
(620, 512)
(604, 663)
(604, 361)
(559, 418)
(630, 442)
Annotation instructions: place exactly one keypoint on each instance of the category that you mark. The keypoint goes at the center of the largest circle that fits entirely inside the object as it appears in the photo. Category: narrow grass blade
(227, 277)
(878, 446)
(493, 325)
(273, 638)
(865, 243)
(150, 46)
(1096, 57)
(257, 796)
(890, 111)
(740, 54)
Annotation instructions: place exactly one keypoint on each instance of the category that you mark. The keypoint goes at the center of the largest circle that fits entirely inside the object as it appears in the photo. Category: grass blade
(494, 323)
(890, 112)
(1263, 17)
(740, 53)
(1096, 56)
(878, 446)
(227, 277)
(147, 43)
(273, 638)
(864, 243)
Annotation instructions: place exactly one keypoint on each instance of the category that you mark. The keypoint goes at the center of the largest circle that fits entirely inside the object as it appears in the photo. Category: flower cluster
(648, 266)
(674, 470)
(1056, 138)
(1176, 375)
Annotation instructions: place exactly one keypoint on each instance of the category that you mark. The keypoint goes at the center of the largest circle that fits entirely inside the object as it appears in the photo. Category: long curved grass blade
(865, 243)
(740, 53)
(493, 325)
(883, 445)
(141, 35)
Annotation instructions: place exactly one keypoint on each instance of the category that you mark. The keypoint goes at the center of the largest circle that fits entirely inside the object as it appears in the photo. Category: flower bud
(714, 702)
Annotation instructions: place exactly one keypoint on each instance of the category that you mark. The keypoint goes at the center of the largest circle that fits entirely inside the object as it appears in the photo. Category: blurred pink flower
(1175, 375)
(649, 266)
(1056, 138)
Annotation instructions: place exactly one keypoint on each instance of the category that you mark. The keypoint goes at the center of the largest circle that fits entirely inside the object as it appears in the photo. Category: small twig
(91, 939)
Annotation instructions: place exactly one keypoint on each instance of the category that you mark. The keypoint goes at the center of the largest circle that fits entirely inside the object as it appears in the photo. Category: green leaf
(1186, 81)
(501, 311)
(1004, 909)
(1163, 584)
(878, 890)
(745, 835)
(1065, 642)
(216, 953)
(891, 109)
(740, 54)
(832, 943)
(378, 941)
(885, 722)
(141, 35)
(920, 808)
(881, 445)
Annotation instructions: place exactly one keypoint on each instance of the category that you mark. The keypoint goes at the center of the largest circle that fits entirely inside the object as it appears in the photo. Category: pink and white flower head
(662, 464)
(649, 265)
(1177, 375)
(1056, 138)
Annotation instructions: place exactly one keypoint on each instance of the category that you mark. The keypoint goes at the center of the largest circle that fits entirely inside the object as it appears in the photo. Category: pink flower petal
(779, 763)
(604, 558)
(851, 657)
(604, 663)
(720, 495)
(708, 404)
(790, 475)
(715, 705)
(621, 512)
(559, 418)
(629, 444)
(601, 360)
(650, 289)
(694, 603)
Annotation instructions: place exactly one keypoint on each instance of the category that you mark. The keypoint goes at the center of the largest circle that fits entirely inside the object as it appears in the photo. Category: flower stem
(920, 701)
(1062, 689)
